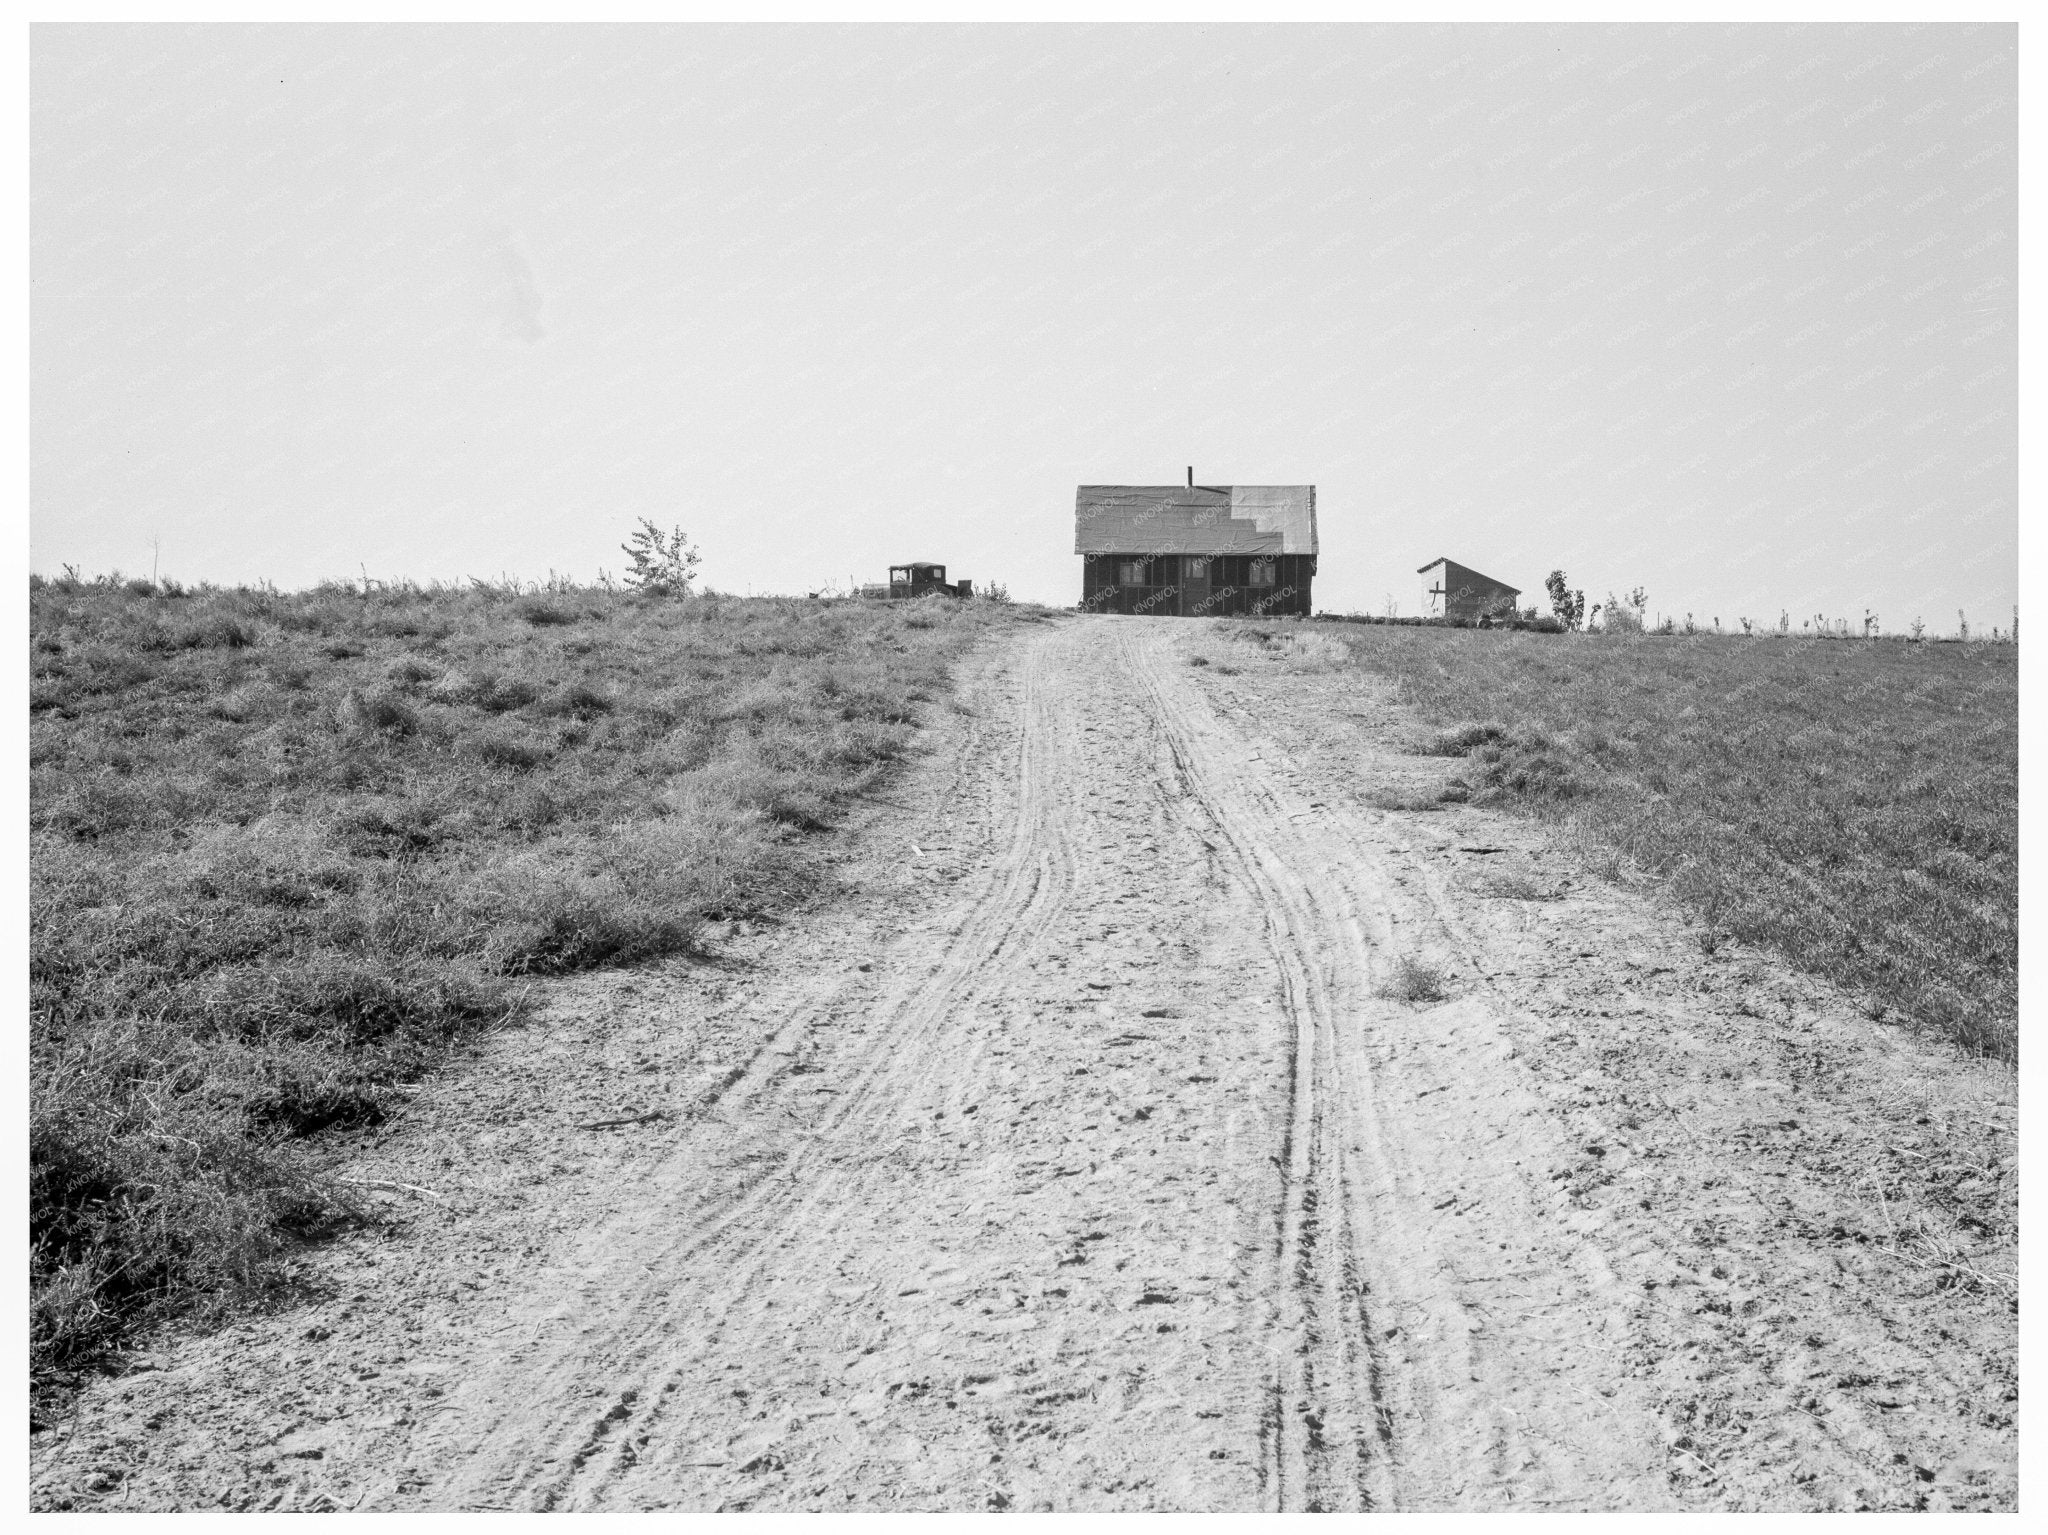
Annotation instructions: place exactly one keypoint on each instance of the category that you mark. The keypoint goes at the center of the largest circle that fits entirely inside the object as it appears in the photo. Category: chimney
(1191, 476)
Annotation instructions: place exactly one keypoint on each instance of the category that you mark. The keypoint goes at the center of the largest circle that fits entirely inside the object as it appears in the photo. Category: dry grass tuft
(1415, 980)
(1518, 887)
(1464, 740)
(1416, 801)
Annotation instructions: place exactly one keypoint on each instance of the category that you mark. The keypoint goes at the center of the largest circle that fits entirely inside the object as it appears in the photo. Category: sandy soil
(1073, 1159)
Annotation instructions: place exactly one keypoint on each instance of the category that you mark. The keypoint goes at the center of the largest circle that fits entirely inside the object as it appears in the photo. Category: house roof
(1200, 519)
(1468, 570)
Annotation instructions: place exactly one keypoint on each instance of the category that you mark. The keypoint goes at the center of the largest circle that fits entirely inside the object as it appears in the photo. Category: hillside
(1185, 1106)
(1853, 804)
(289, 850)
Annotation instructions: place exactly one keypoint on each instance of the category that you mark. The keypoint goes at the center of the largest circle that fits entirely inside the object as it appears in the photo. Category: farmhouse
(1196, 551)
(1459, 592)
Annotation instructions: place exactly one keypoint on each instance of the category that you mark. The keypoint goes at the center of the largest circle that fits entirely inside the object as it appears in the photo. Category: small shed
(1196, 551)
(1459, 592)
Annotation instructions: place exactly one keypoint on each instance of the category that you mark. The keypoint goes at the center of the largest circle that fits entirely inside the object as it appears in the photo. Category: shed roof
(1199, 519)
(1468, 570)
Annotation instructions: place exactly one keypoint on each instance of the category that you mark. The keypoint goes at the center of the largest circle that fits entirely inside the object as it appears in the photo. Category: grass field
(288, 849)
(1851, 803)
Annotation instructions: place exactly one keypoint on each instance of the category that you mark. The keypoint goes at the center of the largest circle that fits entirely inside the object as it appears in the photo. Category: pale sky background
(1725, 311)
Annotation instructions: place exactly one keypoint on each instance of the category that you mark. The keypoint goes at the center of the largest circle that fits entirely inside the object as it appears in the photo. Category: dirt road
(1079, 1162)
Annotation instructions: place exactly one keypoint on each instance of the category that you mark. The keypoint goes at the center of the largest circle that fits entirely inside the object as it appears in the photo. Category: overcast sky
(1727, 312)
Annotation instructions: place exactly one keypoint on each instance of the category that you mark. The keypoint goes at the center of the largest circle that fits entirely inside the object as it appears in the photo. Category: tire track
(1458, 1420)
(544, 1453)
(1330, 1442)
(1115, 1185)
(1396, 1391)
(1355, 1252)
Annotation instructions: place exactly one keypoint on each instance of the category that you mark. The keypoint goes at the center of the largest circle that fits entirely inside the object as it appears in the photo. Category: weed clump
(1414, 980)
(1416, 800)
(1526, 762)
(515, 753)
(1464, 740)
(375, 713)
(543, 614)
(1518, 887)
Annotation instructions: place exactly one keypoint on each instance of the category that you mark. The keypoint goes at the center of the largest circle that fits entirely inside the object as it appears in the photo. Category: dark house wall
(1469, 595)
(1169, 585)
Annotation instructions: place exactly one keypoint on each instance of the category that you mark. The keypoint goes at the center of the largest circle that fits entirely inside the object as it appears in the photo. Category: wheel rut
(1019, 895)
(1147, 851)
(1330, 1440)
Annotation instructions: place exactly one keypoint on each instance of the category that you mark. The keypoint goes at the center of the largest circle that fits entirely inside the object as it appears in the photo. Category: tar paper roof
(1200, 519)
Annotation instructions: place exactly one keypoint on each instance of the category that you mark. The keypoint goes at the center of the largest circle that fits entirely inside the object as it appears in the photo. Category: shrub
(1567, 605)
(664, 564)
(1624, 616)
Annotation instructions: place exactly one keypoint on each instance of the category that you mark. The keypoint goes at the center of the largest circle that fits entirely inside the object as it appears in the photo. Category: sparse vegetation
(1464, 740)
(1854, 806)
(1505, 618)
(1518, 887)
(1626, 615)
(1414, 980)
(288, 849)
(1526, 761)
(1413, 800)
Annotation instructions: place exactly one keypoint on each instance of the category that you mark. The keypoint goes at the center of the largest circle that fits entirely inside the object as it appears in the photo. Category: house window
(1197, 568)
(1262, 572)
(1131, 573)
